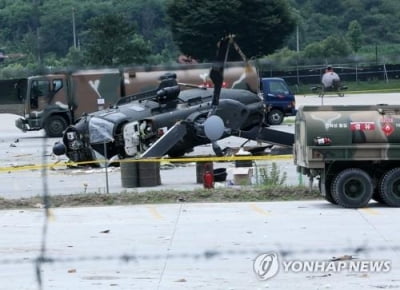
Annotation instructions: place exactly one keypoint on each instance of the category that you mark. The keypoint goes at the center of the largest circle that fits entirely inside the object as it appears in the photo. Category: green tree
(149, 18)
(111, 41)
(354, 35)
(260, 26)
(74, 58)
(331, 7)
(313, 50)
(335, 46)
(284, 56)
(330, 47)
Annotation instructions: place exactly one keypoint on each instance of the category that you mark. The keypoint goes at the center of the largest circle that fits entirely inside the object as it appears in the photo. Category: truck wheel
(275, 117)
(352, 188)
(389, 188)
(328, 194)
(55, 125)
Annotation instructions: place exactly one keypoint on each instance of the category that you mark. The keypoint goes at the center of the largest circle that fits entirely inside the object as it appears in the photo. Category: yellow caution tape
(182, 160)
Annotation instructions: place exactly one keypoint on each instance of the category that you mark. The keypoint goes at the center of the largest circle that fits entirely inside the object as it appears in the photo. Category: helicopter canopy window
(100, 130)
(39, 90)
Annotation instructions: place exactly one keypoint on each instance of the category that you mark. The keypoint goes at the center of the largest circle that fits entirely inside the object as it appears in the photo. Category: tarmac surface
(198, 246)
(181, 246)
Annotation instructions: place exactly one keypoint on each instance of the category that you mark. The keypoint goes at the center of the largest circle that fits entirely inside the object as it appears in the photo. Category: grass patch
(241, 194)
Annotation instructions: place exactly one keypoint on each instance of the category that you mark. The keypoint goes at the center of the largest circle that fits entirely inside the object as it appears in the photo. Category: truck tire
(55, 126)
(377, 196)
(275, 117)
(389, 188)
(352, 188)
(328, 194)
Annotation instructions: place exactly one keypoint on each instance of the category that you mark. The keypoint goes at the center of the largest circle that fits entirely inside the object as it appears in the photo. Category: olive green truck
(354, 152)
(54, 101)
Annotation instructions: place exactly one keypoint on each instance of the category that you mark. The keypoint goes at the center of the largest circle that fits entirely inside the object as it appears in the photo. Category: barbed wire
(205, 255)
(46, 209)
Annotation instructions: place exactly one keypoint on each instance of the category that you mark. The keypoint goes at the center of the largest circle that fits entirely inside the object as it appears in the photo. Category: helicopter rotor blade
(217, 70)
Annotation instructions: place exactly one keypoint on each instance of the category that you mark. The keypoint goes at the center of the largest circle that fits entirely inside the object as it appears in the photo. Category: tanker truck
(353, 151)
(54, 101)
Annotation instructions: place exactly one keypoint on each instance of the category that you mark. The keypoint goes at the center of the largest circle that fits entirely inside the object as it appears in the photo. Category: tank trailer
(353, 151)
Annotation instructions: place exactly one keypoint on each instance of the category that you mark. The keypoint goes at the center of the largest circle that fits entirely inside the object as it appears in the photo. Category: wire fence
(350, 72)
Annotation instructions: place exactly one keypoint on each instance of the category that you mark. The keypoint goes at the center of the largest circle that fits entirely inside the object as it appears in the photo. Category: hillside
(54, 33)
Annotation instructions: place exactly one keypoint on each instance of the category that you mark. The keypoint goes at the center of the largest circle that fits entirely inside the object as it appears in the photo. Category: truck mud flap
(269, 135)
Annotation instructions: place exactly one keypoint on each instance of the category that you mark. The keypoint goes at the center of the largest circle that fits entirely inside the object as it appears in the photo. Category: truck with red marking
(354, 152)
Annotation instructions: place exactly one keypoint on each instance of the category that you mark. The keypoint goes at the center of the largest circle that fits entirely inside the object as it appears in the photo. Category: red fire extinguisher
(208, 178)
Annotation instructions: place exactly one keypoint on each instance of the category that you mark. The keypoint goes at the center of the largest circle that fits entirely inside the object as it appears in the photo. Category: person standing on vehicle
(330, 79)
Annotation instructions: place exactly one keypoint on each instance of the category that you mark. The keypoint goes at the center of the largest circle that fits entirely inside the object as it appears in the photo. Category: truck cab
(54, 101)
(45, 105)
(279, 98)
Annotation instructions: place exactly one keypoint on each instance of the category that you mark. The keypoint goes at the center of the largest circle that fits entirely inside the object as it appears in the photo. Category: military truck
(55, 101)
(354, 152)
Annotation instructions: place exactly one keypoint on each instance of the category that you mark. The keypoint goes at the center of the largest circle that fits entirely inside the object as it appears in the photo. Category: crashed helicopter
(171, 120)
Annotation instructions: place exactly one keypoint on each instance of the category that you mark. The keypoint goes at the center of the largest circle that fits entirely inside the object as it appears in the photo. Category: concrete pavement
(170, 245)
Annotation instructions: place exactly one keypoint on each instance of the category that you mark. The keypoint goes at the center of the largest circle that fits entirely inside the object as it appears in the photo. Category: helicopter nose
(58, 148)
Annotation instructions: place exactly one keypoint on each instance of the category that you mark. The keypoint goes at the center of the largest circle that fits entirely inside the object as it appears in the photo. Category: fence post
(356, 73)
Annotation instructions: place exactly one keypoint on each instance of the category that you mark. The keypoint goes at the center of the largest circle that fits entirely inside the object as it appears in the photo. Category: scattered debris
(319, 276)
(343, 258)
(386, 286)
(167, 165)
(55, 163)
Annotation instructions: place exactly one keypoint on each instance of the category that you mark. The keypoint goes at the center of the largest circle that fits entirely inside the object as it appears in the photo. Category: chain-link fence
(348, 72)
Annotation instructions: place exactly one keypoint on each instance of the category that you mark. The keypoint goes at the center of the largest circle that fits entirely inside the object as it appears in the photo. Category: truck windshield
(278, 87)
(41, 92)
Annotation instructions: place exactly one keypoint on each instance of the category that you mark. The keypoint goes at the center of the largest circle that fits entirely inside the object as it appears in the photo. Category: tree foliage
(112, 41)
(354, 35)
(40, 32)
(377, 19)
(45, 29)
(260, 26)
